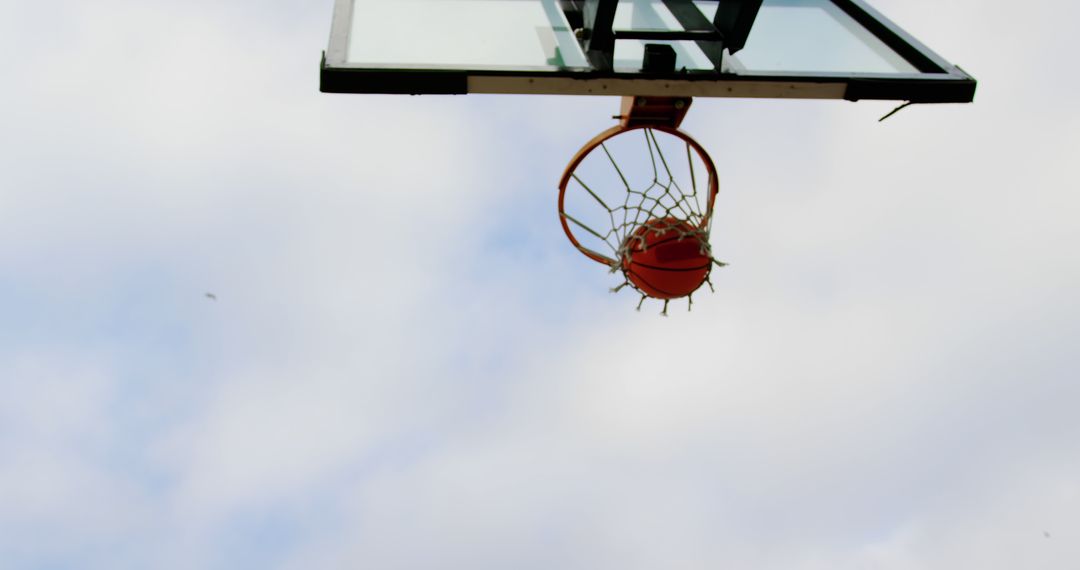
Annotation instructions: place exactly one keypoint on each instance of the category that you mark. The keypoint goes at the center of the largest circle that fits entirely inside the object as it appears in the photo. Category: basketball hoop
(647, 218)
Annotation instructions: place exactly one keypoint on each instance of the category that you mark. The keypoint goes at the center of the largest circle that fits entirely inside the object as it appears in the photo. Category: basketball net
(653, 208)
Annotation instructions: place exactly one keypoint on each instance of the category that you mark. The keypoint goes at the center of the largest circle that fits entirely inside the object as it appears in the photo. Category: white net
(636, 177)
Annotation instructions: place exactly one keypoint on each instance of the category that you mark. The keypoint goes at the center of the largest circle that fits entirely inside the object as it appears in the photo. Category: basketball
(666, 259)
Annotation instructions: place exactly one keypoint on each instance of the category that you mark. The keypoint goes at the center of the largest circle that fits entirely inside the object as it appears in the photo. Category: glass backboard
(825, 49)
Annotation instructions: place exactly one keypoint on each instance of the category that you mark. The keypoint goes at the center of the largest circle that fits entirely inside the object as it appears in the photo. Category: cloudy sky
(408, 367)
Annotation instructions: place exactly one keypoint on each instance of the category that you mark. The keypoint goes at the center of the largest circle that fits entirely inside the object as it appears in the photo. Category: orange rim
(714, 183)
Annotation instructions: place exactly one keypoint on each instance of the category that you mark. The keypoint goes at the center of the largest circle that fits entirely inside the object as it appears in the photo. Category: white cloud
(408, 367)
(59, 493)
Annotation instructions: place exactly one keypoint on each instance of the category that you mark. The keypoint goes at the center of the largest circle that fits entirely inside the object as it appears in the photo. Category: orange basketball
(665, 258)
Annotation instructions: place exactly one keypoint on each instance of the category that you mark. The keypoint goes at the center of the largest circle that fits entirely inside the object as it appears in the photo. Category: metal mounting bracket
(729, 28)
(653, 111)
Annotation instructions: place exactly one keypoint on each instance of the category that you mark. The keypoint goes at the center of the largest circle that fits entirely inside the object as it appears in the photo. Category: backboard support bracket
(690, 18)
(729, 28)
(597, 36)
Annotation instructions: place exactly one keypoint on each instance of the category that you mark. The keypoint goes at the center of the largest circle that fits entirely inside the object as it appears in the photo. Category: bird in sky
(211, 296)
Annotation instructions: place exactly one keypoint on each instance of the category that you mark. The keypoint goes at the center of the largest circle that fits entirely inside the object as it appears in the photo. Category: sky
(408, 367)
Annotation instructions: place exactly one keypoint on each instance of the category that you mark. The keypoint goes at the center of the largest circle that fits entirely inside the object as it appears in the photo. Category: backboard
(816, 49)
